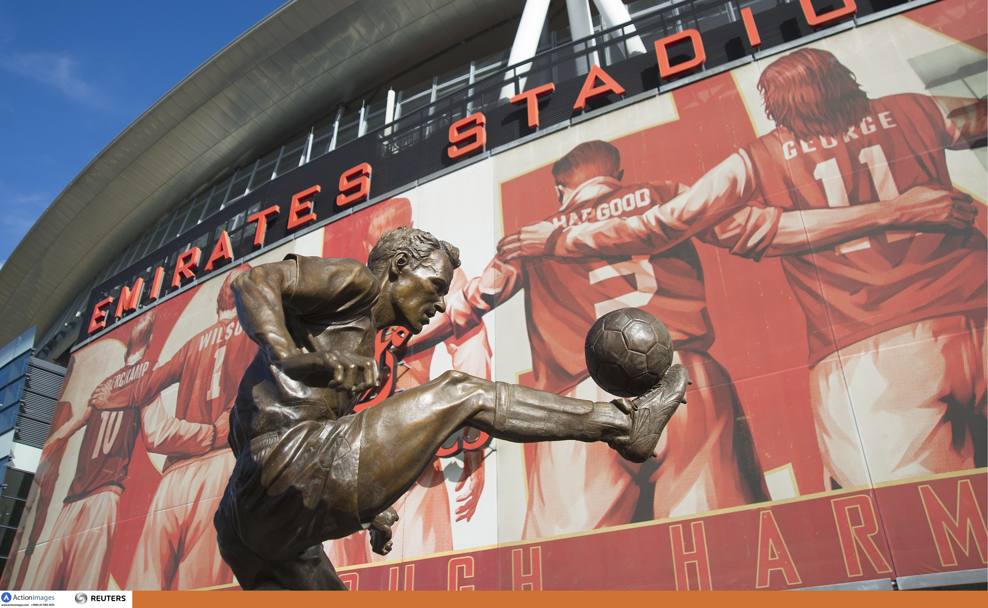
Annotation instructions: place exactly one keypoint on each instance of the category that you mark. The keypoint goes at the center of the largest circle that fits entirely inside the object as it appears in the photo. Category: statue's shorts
(294, 489)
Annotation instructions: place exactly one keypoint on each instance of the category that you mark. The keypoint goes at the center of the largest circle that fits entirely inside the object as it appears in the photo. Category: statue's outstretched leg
(400, 435)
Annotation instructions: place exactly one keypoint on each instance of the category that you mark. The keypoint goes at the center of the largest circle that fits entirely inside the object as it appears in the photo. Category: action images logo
(27, 599)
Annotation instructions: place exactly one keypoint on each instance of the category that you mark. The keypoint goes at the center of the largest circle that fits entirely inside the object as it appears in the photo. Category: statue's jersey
(889, 278)
(108, 442)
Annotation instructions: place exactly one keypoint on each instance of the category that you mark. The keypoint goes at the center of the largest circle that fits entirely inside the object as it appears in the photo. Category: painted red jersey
(207, 369)
(108, 441)
(889, 278)
(564, 297)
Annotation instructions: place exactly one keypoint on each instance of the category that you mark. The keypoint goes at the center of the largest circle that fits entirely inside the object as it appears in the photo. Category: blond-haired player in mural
(705, 460)
(77, 554)
(426, 525)
(177, 547)
(878, 247)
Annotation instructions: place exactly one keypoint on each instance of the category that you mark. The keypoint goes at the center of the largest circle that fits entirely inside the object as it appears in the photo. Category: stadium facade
(789, 185)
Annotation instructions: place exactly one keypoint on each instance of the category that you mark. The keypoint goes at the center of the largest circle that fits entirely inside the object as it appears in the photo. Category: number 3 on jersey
(828, 173)
(640, 269)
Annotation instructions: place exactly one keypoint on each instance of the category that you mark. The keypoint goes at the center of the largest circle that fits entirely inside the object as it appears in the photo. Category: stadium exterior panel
(796, 188)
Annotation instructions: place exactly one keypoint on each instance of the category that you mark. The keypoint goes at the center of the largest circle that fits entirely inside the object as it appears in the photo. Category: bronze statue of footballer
(309, 469)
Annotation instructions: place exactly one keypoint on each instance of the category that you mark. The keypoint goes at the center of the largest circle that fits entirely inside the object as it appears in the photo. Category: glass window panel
(216, 198)
(264, 170)
(18, 483)
(9, 518)
(323, 129)
(322, 136)
(192, 219)
(250, 228)
(291, 156)
(374, 119)
(239, 187)
(348, 129)
(9, 395)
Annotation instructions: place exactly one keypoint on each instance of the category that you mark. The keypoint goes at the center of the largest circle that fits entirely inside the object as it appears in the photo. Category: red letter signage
(531, 99)
(815, 19)
(185, 266)
(591, 89)
(773, 554)
(526, 577)
(98, 319)
(960, 527)
(130, 297)
(662, 53)
(222, 250)
(261, 217)
(856, 532)
(156, 282)
(754, 38)
(459, 569)
(696, 559)
(302, 202)
(355, 185)
(473, 127)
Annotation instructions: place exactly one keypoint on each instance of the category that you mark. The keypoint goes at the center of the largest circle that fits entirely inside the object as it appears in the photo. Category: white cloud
(59, 71)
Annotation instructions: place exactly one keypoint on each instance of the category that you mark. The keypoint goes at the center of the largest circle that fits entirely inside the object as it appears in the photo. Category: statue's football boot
(650, 413)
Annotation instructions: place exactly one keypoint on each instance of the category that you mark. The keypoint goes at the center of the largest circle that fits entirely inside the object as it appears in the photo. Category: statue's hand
(344, 370)
(380, 531)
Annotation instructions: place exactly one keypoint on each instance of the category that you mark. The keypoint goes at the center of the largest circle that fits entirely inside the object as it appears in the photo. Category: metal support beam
(580, 27)
(336, 129)
(525, 45)
(362, 119)
(613, 13)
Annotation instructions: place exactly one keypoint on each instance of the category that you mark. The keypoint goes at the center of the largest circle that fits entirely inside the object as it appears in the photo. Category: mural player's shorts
(296, 488)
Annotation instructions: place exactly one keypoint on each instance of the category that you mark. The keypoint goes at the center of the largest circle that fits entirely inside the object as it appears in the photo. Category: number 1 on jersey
(829, 175)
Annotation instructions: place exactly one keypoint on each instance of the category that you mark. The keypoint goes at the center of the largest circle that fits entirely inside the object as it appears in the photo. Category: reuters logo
(81, 598)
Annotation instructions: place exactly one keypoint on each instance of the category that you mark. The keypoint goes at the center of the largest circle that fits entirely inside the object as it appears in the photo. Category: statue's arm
(260, 294)
(323, 289)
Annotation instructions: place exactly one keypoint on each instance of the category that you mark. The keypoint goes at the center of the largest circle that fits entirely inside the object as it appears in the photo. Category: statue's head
(419, 268)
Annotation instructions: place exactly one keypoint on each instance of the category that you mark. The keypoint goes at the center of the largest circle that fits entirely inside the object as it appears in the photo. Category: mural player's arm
(163, 432)
(719, 197)
(471, 354)
(499, 281)
(754, 232)
(965, 121)
(171, 436)
(331, 289)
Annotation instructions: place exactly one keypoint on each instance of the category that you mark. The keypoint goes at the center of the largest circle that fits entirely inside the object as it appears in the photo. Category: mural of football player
(177, 548)
(426, 523)
(77, 554)
(879, 250)
(706, 459)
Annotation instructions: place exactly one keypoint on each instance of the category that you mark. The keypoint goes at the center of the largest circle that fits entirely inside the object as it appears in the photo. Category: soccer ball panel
(628, 351)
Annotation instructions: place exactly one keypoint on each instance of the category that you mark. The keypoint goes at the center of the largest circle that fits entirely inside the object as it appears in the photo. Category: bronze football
(628, 351)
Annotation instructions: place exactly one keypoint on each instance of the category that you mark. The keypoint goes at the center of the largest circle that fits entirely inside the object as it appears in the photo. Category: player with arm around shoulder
(878, 247)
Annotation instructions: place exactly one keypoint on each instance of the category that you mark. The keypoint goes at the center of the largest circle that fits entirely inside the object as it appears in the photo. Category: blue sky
(74, 74)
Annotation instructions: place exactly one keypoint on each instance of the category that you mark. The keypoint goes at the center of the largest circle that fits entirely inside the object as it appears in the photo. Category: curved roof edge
(299, 62)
